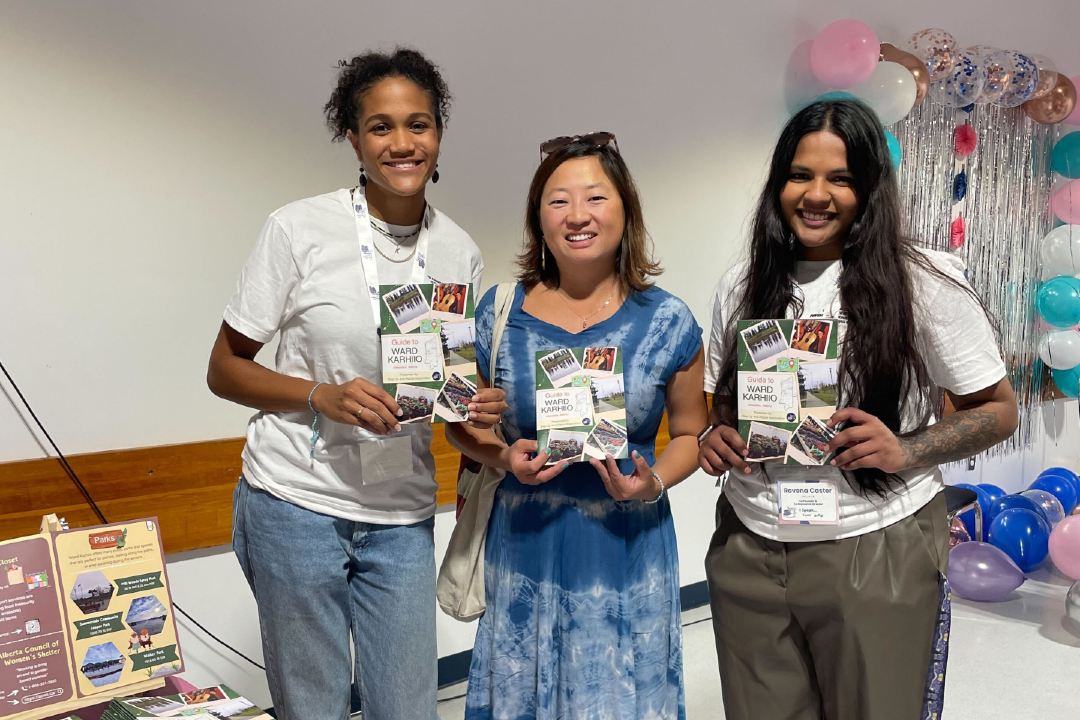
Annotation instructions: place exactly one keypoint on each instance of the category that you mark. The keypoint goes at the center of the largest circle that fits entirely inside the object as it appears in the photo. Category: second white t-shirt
(961, 356)
(304, 279)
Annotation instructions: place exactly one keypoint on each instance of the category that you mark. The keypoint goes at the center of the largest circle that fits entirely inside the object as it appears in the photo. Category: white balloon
(1060, 251)
(889, 91)
(1060, 349)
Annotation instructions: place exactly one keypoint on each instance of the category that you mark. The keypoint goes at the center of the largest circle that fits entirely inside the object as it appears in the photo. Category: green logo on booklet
(787, 365)
(580, 381)
(430, 325)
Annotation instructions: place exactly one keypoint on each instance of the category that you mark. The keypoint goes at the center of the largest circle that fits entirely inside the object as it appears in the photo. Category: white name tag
(811, 502)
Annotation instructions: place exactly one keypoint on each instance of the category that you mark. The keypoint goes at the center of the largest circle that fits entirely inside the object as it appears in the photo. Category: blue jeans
(319, 579)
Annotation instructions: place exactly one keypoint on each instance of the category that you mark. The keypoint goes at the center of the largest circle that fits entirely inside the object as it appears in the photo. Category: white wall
(144, 142)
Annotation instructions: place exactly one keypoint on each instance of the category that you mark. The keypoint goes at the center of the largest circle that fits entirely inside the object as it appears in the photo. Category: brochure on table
(787, 389)
(85, 615)
(580, 404)
(429, 350)
(219, 702)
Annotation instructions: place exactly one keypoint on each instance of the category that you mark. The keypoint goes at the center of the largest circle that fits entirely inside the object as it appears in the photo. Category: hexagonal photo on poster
(102, 664)
(146, 617)
(92, 592)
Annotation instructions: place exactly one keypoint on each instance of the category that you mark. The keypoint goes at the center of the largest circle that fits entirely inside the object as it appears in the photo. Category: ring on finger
(360, 414)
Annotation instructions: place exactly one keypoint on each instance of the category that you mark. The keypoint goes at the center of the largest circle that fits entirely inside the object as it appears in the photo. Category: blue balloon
(1066, 473)
(1067, 381)
(1060, 488)
(968, 518)
(1023, 535)
(1010, 502)
(1065, 158)
(836, 95)
(1058, 301)
(994, 492)
(894, 149)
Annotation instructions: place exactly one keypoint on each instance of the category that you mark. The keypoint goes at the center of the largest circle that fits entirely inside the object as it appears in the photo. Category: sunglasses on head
(599, 139)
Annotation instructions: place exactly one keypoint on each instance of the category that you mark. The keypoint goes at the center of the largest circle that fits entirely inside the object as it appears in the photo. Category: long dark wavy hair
(880, 362)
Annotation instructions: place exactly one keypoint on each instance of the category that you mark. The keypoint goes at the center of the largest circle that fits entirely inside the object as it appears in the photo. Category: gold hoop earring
(543, 256)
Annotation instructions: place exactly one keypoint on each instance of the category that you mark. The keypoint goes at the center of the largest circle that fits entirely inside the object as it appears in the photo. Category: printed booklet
(85, 615)
(429, 350)
(580, 407)
(787, 388)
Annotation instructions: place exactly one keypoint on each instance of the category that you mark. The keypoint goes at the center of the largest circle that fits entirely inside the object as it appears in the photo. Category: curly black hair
(363, 72)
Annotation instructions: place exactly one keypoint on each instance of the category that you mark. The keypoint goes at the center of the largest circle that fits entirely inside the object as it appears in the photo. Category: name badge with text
(809, 502)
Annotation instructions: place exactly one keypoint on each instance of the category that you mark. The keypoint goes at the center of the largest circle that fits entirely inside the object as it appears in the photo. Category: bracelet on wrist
(661, 481)
(314, 421)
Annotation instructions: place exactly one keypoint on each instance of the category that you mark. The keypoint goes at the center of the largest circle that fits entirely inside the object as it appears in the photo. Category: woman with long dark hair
(581, 566)
(333, 519)
(838, 620)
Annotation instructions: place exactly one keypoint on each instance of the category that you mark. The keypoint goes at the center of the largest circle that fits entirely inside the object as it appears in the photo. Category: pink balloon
(1065, 546)
(844, 54)
(1074, 118)
(1065, 202)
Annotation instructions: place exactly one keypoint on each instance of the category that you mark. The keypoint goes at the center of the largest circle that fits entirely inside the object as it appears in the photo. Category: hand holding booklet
(429, 350)
(787, 389)
(581, 404)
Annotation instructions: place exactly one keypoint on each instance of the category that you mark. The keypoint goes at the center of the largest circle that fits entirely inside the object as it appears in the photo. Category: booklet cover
(429, 350)
(219, 702)
(580, 406)
(83, 613)
(787, 389)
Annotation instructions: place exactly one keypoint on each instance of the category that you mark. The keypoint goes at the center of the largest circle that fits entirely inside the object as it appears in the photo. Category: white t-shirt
(304, 280)
(961, 356)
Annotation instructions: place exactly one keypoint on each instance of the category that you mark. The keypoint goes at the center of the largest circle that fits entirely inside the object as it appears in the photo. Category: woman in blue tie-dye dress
(582, 576)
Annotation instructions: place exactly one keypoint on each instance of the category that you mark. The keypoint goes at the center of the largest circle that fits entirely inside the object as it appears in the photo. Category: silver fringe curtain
(1005, 211)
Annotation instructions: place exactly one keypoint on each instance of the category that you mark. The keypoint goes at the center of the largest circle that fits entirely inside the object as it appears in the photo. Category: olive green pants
(834, 630)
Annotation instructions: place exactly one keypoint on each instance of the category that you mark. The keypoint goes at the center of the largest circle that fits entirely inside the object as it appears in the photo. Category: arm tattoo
(957, 437)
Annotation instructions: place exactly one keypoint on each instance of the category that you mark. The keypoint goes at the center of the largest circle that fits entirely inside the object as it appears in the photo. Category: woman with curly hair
(334, 515)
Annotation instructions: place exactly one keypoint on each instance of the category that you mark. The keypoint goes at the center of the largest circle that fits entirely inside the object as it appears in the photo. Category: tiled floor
(1016, 658)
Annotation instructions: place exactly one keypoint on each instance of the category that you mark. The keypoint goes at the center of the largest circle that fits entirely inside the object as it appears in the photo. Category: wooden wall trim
(188, 487)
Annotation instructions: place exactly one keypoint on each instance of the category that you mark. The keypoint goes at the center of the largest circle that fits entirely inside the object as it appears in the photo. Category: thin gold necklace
(585, 318)
(404, 259)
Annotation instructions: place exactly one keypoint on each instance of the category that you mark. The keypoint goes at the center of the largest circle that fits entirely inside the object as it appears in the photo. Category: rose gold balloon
(891, 53)
(1056, 105)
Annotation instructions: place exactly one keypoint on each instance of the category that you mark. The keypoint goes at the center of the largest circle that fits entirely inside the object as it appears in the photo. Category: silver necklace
(585, 318)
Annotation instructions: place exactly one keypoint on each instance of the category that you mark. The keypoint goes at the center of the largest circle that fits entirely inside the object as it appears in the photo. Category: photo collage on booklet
(787, 389)
(429, 350)
(580, 404)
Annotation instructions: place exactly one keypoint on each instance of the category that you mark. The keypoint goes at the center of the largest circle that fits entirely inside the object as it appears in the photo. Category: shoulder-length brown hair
(634, 262)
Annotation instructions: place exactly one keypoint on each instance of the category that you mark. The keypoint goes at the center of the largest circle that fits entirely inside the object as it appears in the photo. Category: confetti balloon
(963, 82)
(1049, 505)
(1055, 106)
(1048, 75)
(1023, 79)
(998, 67)
(890, 92)
(935, 47)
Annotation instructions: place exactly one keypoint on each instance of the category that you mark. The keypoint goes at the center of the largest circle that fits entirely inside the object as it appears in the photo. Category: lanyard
(367, 251)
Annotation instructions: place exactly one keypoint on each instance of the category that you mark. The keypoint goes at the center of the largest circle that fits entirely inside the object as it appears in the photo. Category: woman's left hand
(487, 406)
(868, 442)
(641, 485)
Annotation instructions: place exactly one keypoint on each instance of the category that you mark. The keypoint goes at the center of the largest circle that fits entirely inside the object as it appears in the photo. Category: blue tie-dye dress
(582, 618)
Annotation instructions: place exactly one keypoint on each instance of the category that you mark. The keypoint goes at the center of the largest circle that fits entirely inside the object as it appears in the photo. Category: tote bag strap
(504, 300)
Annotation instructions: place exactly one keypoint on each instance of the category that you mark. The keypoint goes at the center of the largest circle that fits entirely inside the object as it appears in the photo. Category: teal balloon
(1065, 159)
(894, 149)
(1067, 381)
(836, 95)
(1058, 301)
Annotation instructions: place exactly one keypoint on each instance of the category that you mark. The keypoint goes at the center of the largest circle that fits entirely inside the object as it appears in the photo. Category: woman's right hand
(527, 469)
(722, 450)
(358, 402)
